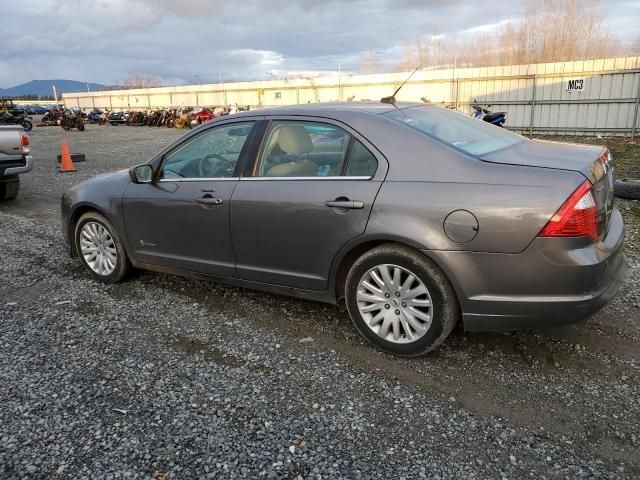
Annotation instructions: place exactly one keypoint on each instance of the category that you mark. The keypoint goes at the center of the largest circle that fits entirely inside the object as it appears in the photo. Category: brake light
(577, 217)
(24, 141)
(605, 157)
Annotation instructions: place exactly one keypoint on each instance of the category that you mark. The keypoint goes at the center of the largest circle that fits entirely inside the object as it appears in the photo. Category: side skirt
(323, 296)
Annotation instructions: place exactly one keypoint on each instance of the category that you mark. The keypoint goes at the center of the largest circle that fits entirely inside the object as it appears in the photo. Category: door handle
(346, 204)
(210, 201)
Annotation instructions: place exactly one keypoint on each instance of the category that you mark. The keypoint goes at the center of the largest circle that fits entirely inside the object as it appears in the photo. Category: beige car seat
(294, 140)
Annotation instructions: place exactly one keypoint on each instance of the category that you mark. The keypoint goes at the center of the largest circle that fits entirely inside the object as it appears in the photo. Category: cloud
(185, 40)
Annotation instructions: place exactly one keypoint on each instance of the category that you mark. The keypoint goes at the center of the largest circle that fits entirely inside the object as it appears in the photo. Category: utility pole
(224, 92)
(339, 84)
(55, 95)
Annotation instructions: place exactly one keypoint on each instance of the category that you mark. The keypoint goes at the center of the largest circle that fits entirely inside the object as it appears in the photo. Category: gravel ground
(162, 377)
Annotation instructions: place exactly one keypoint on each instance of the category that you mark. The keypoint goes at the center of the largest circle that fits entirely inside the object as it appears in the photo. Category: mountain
(44, 88)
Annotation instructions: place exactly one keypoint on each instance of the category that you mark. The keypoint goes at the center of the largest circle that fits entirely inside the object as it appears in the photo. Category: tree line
(547, 31)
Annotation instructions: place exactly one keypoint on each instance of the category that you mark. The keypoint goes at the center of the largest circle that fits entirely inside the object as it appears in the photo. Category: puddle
(192, 346)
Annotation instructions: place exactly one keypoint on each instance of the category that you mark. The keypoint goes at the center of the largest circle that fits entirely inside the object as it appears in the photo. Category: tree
(140, 80)
(547, 31)
(369, 62)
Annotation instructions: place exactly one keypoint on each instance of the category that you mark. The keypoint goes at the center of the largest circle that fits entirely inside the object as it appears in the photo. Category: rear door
(309, 192)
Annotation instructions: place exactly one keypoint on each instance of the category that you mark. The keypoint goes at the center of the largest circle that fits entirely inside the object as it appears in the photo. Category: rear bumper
(27, 166)
(555, 281)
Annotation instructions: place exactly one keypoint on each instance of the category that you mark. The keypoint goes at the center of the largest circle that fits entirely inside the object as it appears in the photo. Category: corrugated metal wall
(535, 96)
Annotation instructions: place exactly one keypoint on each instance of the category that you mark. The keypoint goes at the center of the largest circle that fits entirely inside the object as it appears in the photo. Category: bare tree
(547, 31)
(369, 62)
(556, 31)
(634, 49)
(140, 80)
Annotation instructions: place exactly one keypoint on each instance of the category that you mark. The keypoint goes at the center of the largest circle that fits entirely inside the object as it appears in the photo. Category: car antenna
(392, 99)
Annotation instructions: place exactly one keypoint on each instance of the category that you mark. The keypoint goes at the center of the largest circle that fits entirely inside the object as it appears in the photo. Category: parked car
(15, 159)
(415, 216)
(36, 110)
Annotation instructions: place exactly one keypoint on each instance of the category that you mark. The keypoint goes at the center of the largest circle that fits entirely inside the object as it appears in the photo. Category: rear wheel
(27, 125)
(100, 249)
(400, 301)
(9, 187)
(81, 126)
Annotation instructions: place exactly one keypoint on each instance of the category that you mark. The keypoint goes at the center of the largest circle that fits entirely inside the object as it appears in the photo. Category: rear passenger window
(303, 149)
(312, 149)
(361, 163)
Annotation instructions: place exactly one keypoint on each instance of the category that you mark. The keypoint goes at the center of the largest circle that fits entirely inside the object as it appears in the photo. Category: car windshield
(456, 129)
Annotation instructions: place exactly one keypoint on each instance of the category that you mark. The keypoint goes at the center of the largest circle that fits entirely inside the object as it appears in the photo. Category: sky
(200, 41)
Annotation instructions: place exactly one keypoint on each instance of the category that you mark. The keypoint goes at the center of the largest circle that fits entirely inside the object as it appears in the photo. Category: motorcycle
(183, 118)
(17, 119)
(486, 115)
(97, 116)
(51, 117)
(71, 120)
(117, 118)
(202, 116)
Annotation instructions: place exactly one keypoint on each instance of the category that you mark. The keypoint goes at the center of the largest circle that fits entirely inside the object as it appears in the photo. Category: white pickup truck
(15, 159)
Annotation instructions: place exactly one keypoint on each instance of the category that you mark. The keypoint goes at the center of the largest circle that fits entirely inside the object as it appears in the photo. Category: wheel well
(349, 259)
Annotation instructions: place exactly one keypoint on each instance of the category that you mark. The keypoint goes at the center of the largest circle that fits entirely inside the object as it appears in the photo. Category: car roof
(332, 109)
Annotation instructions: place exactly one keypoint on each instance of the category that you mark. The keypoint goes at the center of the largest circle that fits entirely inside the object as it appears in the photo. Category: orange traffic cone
(66, 165)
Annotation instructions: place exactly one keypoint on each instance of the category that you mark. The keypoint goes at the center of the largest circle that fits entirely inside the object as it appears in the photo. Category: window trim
(242, 157)
(336, 177)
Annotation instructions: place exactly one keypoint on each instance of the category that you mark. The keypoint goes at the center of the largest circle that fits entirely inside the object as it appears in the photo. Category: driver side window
(212, 154)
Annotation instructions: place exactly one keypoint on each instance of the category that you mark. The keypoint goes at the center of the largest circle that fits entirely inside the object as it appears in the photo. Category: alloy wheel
(98, 248)
(394, 303)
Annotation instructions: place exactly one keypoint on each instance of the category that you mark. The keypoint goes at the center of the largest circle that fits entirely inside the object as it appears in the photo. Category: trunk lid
(594, 162)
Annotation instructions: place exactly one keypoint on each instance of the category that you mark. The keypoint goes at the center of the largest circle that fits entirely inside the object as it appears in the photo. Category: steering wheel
(208, 168)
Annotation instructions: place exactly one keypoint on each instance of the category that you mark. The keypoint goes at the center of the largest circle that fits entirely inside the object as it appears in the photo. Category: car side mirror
(141, 173)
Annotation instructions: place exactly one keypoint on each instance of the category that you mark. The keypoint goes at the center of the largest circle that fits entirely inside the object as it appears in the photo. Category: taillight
(577, 217)
(24, 141)
(605, 157)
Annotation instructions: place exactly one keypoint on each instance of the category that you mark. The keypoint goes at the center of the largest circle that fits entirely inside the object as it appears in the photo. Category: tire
(27, 125)
(9, 187)
(179, 123)
(65, 126)
(439, 302)
(81, 126)
(121, 266)
(114, 123)
(627, 188)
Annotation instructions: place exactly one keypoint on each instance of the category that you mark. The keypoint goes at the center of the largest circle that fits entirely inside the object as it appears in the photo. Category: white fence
(582, 97)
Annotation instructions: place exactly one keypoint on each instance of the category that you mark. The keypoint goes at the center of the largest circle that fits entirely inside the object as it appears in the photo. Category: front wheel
(100, 249)
(400, 301)
(27, 125)
(81, 126)
(65, 126)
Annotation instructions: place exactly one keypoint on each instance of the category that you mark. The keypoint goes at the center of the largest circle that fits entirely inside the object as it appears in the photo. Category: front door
(181, 220)
(310, 192)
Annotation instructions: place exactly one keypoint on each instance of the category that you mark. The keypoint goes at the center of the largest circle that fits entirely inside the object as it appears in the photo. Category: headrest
(294, 140)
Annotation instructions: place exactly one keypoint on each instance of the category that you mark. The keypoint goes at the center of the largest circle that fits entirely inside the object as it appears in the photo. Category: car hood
(544, 154)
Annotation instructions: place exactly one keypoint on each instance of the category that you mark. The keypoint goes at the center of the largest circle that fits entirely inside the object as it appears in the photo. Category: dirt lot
(162, 375)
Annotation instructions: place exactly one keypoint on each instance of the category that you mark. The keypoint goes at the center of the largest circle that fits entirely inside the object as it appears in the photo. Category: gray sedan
(414, 216)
